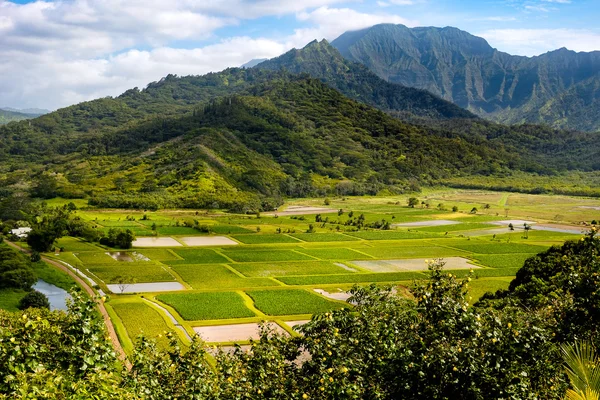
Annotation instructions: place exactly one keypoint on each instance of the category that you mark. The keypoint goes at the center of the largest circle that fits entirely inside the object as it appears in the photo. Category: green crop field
(265, 255)
(503, 260)
(73, 244)
(263, 239)
(393, 235)
(335, 254)
(324, 237)
(207, 306)
(95, 258)
(280, 271)
(229, 229)
(498, 248)
(141, 319)
(412, 252)
(288, 268)
(291, 302)
(197, 256)
(131, 272)
(212, 276)
(352, 278)
(158, 254)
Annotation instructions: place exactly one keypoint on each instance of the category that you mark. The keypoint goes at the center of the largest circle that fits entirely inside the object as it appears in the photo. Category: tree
(412, 202)
(125, 239)
(583, 368)
(473, 210)
(41, 240)
(34, 299)
(526, 228)
(123, 282)
(35, 256)
(511, 227)
(454, 208)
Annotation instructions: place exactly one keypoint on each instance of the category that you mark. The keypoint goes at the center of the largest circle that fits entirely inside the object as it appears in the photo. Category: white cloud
(56, 53)
(530, 42)
(329, 23)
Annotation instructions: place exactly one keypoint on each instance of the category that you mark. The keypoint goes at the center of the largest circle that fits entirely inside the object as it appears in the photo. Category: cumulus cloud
(531, 42)
(56, 53)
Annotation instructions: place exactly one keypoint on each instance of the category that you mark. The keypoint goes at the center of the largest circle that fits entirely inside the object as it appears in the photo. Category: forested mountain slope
(322, 61)
(560, 88)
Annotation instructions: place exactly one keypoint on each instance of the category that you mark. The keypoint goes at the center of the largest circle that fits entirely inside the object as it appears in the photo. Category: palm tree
(583, 369)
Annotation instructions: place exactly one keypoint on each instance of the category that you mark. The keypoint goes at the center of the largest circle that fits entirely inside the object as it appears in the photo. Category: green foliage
(211, 276)
(15, 269)
(265, 255)
(197, 256)
(207, 306)
(288, 268)
(565, 280)
(141, 319)
(120, 238)
(583, 369)
(34, 299)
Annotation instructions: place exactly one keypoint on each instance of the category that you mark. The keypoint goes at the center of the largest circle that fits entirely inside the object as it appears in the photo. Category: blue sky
(56, 53)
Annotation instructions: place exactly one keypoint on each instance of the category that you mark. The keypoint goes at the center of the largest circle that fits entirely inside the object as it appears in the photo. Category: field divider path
(220, 252)
(248, 302)
(177, 277)
(112, 333)
(235, 271)
(308, 255)
(171, 317)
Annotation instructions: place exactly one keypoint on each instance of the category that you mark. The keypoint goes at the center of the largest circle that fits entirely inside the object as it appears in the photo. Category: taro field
(220, 274)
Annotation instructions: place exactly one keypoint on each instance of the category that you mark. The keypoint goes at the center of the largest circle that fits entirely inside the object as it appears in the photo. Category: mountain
(253, 63)
(34, 111)
(322, 61)
(243, 138)
(560, 88)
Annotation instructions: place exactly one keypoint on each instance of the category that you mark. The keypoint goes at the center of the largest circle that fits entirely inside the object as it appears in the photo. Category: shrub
(34, 299)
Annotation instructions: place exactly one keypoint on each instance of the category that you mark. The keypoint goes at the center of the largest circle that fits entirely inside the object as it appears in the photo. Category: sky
(57, 53)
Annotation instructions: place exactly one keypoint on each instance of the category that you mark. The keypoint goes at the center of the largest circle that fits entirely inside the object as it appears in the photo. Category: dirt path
(107, 321)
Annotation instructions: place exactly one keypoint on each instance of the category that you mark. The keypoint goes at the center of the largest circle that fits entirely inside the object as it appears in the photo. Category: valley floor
(255, 268)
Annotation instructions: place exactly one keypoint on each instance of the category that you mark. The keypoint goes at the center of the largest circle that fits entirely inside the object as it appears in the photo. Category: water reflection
(56, 296)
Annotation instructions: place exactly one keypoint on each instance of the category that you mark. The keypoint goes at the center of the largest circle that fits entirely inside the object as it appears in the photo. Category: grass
(53, 275)
(137, 272)
(214, 276)
(335, 254)
(207, 306)
(197, 256)
(291, 302)
(486, 272)
(263, 239)
(324, 237)
(10, 298)
(478, 287)
(265, 255)
(141, 319)
(288, 268)
(176, 230)
(457, 227)
(351, 278)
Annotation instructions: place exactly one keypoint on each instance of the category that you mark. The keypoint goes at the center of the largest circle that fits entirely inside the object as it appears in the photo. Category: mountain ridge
(465, 69)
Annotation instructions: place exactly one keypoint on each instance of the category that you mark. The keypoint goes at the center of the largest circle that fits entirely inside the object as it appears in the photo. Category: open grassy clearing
(264, 239)
(291, 302)
(10, 298)
(479, 287)
(197, 256)
(207, 306)
(216, 276)
(131, 272)
(141, 319)
(266, 255)
(288, 268)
